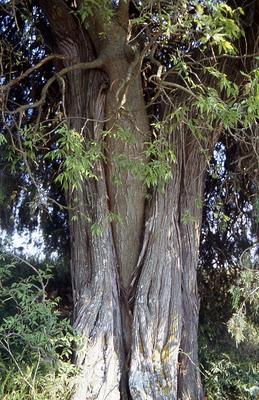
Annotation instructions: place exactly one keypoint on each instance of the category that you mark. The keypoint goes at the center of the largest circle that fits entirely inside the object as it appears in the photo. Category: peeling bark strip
(127, 356)
(192, 186)
(157, 311)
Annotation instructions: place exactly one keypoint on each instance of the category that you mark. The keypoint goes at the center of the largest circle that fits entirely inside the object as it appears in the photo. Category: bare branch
(231, 56)
(167, 85)
(32, 69)
(95, 64)
(98, 63)
(177, 86)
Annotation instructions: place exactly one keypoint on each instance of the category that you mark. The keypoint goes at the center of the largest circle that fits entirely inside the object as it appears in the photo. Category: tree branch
(95, 64)
(123, 13)
(60, 17)
(30, 70)
(166, 85)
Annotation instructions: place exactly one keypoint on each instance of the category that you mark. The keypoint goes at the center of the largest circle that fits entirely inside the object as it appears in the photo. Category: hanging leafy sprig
(77, 158)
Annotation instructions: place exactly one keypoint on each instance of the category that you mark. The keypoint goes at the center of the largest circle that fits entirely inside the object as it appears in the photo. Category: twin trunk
(135, 289)
(134, 285)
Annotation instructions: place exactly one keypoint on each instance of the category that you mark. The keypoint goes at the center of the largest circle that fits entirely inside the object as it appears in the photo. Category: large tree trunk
(157, 345)
(164, 363)
(157, 321)
(94, 265)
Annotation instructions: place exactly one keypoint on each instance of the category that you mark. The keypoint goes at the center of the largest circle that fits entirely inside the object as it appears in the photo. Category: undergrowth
(36, 342)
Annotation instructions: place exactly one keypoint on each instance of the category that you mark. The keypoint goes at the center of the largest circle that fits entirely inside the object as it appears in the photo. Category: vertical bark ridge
(157, 310)
(192, 189)
(127, 193)
(189, 386)
(96, 286)
(97, 315)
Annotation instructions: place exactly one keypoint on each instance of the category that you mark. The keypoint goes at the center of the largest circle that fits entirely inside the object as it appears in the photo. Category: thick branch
(60, 18)
(123, 13)
(95, 64)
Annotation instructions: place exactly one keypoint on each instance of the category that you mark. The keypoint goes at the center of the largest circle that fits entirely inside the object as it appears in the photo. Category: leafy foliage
(229, 377)
(35, 342)
(77, 160)
(219, 27)
(227, 275)
(244, 322)
(89, 7)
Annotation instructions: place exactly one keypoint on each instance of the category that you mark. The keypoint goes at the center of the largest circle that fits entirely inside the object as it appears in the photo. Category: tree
(145, 89)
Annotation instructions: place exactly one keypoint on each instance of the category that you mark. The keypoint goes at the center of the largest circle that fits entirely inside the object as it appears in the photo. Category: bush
(35, 342)
(230, 377)
(229, 343)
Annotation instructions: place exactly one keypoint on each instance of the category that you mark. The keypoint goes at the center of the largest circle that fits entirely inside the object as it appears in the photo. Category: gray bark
(125, 110)
(164, 363)
(189, 384)
(94, 266)
(157, 311)
(163, 328)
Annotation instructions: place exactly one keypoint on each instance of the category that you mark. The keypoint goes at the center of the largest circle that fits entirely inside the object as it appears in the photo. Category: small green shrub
(229, 344)
(231, 377)
(244, 323)
(35, 342)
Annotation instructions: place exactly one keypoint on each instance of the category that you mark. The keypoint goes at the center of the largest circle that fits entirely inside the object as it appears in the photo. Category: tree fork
(154, 337)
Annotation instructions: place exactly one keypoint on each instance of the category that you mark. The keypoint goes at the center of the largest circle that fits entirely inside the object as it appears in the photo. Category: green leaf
(2, 139)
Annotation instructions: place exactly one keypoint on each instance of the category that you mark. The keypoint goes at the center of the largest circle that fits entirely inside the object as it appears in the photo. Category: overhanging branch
(30, 70)
(95, 64)
(170, 85)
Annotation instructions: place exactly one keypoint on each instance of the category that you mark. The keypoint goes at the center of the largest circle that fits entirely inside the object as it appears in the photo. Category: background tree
(129, 101)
